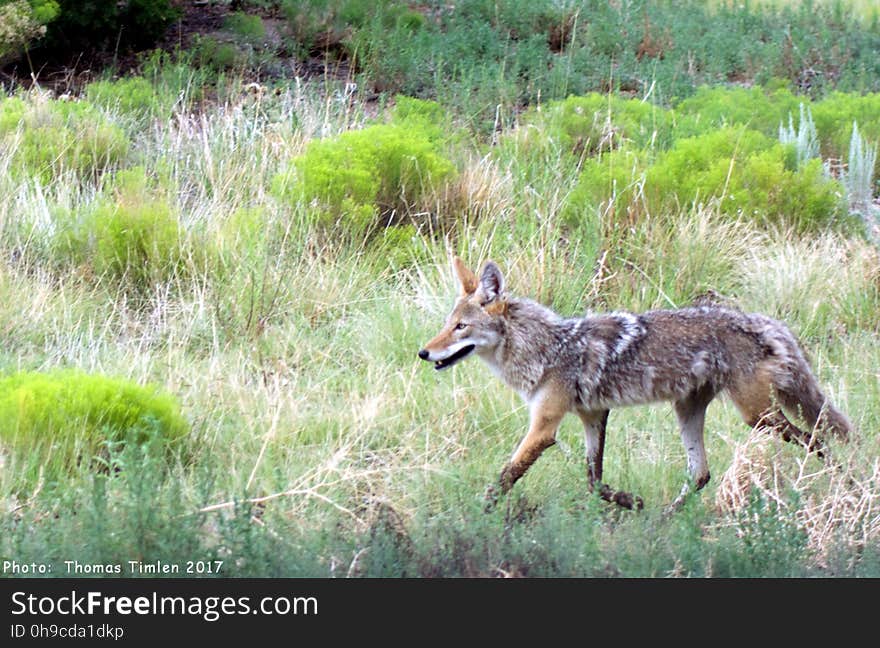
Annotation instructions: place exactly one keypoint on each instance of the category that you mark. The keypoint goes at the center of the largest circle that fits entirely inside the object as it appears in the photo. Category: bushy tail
(808, 402)
(798, 390)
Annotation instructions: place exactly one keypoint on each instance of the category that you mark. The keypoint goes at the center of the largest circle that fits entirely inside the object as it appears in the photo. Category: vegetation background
(225, 231)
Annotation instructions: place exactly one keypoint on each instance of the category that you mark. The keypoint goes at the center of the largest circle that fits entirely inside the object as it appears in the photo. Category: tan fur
(546, 413)
(441, 340)
(753, 397)
(588, 365)
(497, 309)
(466, 278)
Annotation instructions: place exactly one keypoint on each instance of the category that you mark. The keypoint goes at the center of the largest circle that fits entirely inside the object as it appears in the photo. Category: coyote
(587, 365)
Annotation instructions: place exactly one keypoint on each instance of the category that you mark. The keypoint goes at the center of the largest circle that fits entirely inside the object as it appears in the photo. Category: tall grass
(864, 9)
(320, 445)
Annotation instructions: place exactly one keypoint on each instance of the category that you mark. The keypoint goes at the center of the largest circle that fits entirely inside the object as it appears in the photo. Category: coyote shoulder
(589, 365)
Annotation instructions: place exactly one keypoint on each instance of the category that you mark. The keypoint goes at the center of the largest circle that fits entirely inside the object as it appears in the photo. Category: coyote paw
(621, 498)
(628, 501)
(491, 499)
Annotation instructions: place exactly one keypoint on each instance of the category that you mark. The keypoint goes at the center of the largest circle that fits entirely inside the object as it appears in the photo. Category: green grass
(318, 444)
(866, 9)
(489, 60)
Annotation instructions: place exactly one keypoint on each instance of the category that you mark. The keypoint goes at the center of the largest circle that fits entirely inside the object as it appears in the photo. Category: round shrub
(139, 241)
(712, 108)
(53, 420)
(380, 170)
(596, 122)
(249, 28)
(133, 236)
(750, 174)
(134, 95)
(216, 54)
(422, 111)
(52, 137)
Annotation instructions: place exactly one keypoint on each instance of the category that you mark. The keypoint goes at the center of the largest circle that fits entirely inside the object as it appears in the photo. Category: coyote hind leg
(756, 403)
(595, 423)
(691, 413)
(773, 419)
(594, 437)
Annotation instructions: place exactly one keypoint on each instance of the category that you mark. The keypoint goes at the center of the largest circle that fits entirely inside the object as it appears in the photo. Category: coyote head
(474, 323)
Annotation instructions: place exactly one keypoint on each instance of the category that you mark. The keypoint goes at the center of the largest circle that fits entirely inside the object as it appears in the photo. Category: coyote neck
(530, 338)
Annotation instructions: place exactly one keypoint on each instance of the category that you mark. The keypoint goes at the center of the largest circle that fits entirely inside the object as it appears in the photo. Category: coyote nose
(423, 354)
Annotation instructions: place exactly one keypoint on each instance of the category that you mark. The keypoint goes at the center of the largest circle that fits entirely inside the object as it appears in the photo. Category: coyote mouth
(461, 354)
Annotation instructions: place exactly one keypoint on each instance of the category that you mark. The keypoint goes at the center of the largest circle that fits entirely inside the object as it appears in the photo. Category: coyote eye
(460, 326)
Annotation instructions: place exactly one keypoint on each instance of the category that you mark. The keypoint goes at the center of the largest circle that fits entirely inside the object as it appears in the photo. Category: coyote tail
(798, 389)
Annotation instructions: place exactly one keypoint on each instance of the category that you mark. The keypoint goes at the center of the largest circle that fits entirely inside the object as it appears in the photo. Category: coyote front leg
(595, 423)
(546, 410)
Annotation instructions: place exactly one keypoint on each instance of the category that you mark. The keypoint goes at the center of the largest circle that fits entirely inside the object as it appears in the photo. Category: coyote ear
(491, 283)
(466, 278)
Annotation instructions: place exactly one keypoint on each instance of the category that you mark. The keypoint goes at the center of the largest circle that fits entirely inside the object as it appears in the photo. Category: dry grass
(822, 283)
(835, 503)
(482, 190)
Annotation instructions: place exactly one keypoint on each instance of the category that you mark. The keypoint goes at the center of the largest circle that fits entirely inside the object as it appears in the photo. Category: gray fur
(600, 361)
(615, 359)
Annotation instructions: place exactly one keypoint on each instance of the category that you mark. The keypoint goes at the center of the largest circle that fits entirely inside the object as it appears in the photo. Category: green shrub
(356, 176)
(595, 123)
(134, 95)
(806, 198)
(712, 108)
(54, 420)
(411, 21)
(88, 24)
(135, 236)
(834, 117)
(750, 174)
(249, 28)
(53, 137)
(610, 183)
(430, 116)
(216, 54)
